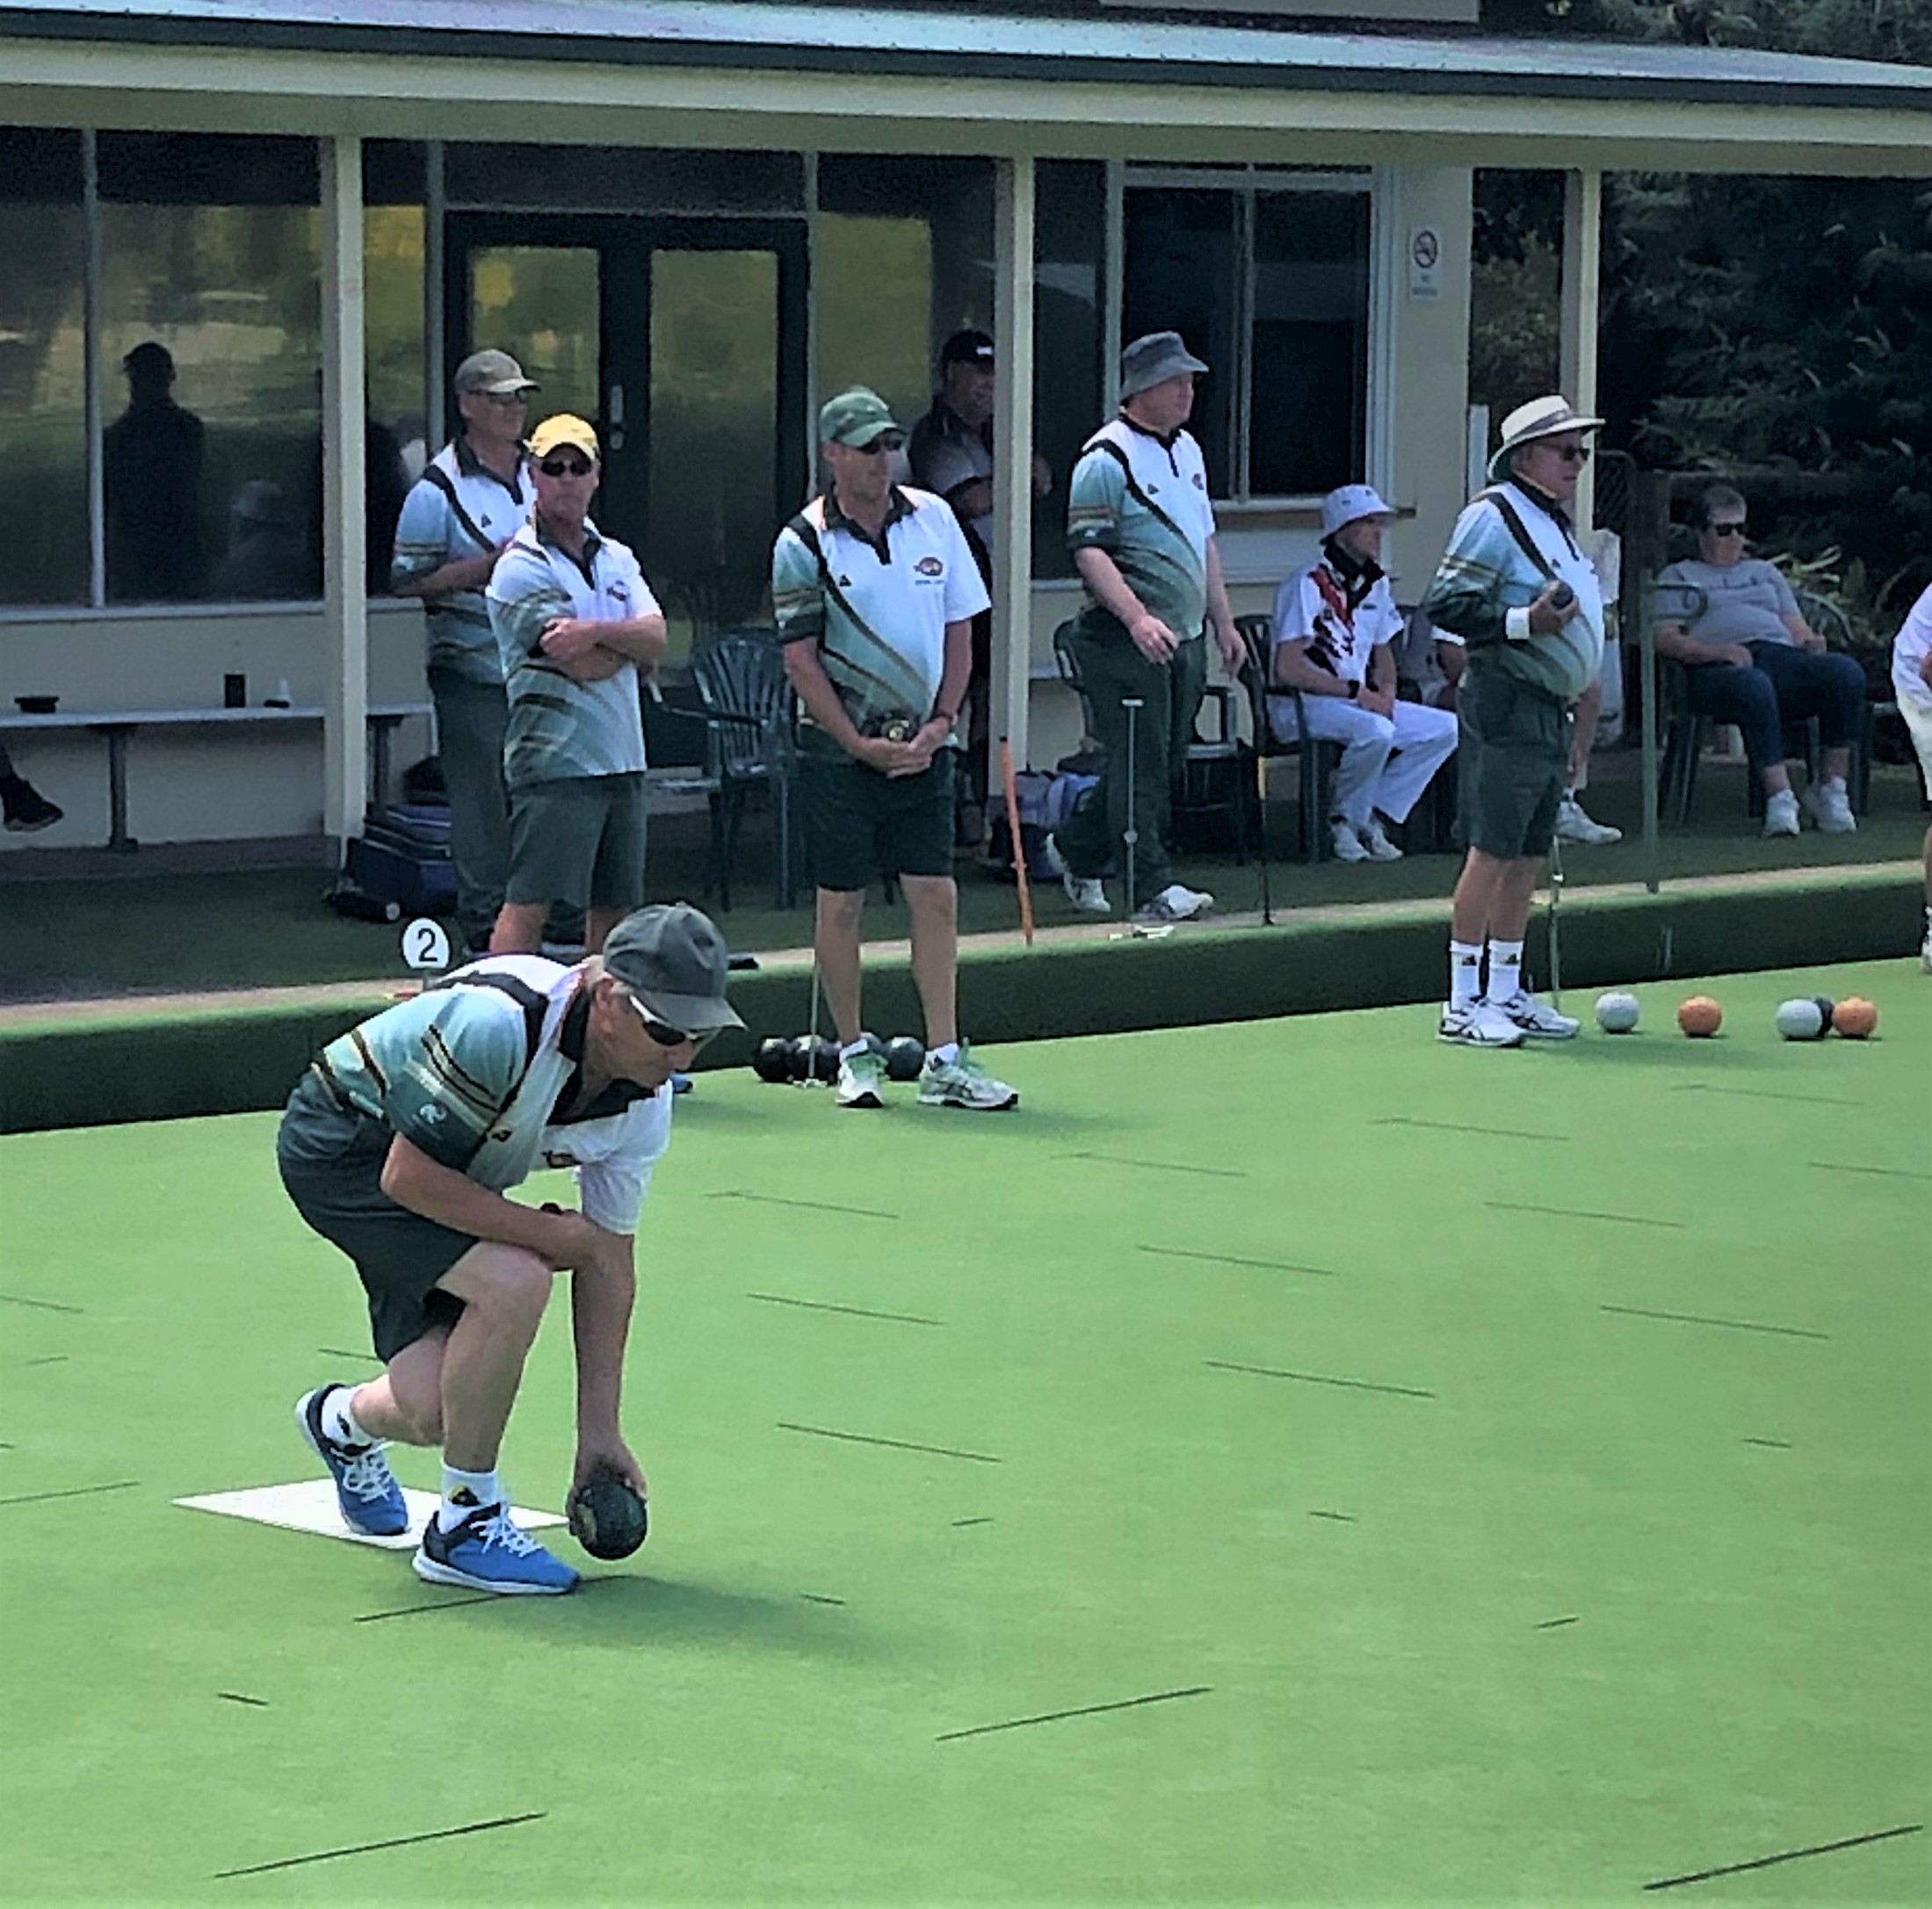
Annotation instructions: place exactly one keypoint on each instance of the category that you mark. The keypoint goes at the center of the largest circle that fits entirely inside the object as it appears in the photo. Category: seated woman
(1751, 659)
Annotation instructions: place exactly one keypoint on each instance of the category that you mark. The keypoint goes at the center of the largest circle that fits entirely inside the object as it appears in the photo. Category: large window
(43, 376)
(1269, 283)
(207, 350)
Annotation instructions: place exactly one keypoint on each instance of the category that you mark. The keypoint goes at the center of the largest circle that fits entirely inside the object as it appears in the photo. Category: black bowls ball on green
(904, 1057)
(773, 1061)
(607, 1516)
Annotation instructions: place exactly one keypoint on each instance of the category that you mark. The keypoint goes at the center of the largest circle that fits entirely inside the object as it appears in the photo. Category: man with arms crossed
(398, 1145)
(1516, 588)
(1142, 529)
(875, 589)
(575, 622)
(1335, 628)
(457, 521)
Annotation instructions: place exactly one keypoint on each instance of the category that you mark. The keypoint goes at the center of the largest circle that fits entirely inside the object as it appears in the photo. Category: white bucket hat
(1540, 417)
(1349, 505)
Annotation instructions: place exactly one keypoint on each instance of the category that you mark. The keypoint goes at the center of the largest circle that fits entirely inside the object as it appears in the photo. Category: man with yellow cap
(575, 622)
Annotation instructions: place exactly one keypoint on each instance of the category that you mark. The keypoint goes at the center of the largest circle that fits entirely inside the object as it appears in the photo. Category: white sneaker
(861, 1076)
(1479, 1024)
(1781, 813)
(1830, 807)
(1537, 1021)
(1175, 903)
(1083, 890)
(1377, 842)
(963, 1083)
(1344, 842)
(1573, 825)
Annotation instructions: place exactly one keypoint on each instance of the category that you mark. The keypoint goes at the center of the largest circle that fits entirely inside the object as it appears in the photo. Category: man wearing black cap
(399, 1145)
(457, 521)
(951, 452)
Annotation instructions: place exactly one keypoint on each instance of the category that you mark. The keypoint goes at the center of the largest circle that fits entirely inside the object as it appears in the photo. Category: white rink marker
(311, 1507)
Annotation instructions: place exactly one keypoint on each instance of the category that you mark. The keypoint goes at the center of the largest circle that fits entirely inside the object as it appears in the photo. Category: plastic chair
(1314, 759)
(749, 717)
(1213, 778)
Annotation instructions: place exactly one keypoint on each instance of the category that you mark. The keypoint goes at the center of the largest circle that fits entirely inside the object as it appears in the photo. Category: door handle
(613, 414)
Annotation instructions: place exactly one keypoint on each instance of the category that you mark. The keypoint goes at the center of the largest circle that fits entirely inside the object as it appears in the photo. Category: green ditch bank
(160, 1059)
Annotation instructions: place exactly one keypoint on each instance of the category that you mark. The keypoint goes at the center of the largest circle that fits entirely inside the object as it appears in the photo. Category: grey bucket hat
(673, 959)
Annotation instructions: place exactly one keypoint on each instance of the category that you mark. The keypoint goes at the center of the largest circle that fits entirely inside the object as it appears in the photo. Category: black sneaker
(26, 808)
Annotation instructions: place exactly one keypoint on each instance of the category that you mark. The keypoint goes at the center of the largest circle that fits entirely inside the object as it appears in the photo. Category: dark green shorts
(1513, 747)
(579, 839)
(331, 1164)
(859, 824)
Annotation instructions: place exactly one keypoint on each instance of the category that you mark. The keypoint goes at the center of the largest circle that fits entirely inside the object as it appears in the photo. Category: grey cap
(1153, 360)
(496, 373)
(673, 959)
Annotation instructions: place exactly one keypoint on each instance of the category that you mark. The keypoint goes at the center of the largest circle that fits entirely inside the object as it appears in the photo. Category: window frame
(1245, 183)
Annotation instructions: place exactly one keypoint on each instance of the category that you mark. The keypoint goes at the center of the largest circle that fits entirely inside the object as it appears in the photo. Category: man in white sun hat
(1514, 585)
(1335, 624)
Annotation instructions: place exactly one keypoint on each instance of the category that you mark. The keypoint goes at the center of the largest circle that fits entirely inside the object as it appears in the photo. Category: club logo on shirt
(620, 592)
(930, 566)
(1200, 483)
(432, 1115)
(559, 1159)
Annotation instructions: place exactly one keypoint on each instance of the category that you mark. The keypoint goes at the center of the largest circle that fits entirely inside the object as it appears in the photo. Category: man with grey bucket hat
(399, 1145)
(1142, 529)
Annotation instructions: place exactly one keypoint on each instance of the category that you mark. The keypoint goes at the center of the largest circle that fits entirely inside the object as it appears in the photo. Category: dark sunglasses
(566, 467)
(1573, 453)
(664, 1034)
(1726, 530)
(886, 440)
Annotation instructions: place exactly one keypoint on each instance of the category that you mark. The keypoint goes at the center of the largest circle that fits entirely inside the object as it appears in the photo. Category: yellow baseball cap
(562, 429)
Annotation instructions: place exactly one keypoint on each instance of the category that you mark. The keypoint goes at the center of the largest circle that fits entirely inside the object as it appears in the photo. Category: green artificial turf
(1359, 1471)
(255, 928)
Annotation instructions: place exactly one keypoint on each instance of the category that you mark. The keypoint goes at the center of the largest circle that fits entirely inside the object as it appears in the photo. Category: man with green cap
(400, 1146)
(874, 589)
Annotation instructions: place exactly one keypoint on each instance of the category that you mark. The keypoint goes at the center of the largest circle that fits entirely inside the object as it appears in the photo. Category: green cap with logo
(673, 959)
(855, 417)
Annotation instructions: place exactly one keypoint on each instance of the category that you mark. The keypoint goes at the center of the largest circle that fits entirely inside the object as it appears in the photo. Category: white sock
(857, 1048)
(1465, 973)
(945, 1056)
(463, 1492)
(1505, 970)
(339, 1422)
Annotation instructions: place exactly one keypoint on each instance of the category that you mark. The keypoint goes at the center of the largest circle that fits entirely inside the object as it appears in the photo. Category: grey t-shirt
(1726, 603)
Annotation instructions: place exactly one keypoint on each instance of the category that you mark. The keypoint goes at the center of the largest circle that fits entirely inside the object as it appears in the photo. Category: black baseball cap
(967, 348)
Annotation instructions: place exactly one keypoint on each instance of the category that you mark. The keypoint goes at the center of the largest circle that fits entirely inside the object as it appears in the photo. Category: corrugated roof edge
(1448, 61)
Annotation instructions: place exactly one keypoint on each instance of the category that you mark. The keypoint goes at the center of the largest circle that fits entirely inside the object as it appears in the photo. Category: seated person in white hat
(1335, 626)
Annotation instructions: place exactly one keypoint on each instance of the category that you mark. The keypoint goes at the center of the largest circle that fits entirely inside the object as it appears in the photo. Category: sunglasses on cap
(1726, 530)
(566, 467)
(886, 440)
(663, 1033)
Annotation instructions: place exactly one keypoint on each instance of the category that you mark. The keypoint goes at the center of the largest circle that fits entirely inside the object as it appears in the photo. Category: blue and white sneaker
(371, 1500)
(486, 1551)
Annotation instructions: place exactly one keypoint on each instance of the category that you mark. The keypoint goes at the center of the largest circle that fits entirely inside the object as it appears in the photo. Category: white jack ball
(1616, 1014)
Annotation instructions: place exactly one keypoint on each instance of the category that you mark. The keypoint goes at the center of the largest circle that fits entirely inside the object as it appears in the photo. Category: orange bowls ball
(1700, 1016)
(1854, 1017)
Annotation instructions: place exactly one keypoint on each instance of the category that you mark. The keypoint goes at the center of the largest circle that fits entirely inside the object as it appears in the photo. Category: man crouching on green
(397, 1147)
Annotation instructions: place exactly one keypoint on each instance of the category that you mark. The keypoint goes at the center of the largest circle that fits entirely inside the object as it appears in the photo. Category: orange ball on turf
(1854, 1017)
(1700, 1016)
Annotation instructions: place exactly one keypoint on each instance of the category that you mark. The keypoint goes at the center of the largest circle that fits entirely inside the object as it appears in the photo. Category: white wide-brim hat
(1540, 417)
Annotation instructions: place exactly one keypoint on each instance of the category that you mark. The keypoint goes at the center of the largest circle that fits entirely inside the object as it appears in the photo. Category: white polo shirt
(877, 610)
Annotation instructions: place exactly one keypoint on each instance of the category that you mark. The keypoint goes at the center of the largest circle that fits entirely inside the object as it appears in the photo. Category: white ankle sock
(1505, 970)
(463, 1492)
(946, 1056)
(339, 1422)
(1465, 973)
